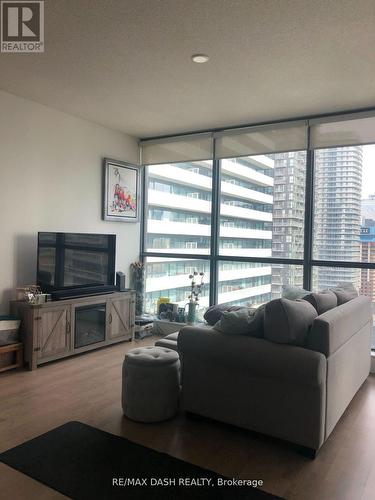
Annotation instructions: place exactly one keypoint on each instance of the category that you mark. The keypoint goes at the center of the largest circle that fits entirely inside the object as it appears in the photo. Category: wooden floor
(88, 388)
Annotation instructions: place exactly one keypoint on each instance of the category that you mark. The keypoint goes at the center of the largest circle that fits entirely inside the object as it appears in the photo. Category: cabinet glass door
(89, 325)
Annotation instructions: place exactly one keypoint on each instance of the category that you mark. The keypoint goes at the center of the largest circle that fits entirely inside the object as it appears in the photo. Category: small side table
(11, 356)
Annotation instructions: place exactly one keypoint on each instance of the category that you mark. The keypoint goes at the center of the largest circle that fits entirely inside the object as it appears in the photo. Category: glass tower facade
(337, 213)
(179, 219)
(288, 218)
(261, 215)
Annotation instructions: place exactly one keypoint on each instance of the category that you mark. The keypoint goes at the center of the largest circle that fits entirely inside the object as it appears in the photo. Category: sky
(368, 171)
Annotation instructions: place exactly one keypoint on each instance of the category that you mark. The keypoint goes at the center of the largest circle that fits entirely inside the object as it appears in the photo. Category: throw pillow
(348, 287)
(244, 321)
(323, 301)
(293, 292)
(214, 313)
(288, 321)
(344, 295)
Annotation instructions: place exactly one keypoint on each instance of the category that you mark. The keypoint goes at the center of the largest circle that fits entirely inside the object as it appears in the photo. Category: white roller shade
(348, 130)
(184, 148)
(265, 139)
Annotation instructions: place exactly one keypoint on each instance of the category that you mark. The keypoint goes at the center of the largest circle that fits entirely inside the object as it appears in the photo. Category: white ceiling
(126, 63)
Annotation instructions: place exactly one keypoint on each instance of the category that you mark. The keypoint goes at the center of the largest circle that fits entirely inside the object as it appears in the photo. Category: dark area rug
(86, 463)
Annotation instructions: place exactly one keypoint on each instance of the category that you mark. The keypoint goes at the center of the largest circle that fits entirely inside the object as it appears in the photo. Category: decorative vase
(192, 312)
(139, 296)
(138, 279)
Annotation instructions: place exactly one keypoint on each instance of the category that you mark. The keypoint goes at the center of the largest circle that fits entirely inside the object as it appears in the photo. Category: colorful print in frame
(121, 191)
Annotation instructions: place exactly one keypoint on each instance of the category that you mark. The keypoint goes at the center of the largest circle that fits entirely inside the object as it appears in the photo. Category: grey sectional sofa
(294, 393)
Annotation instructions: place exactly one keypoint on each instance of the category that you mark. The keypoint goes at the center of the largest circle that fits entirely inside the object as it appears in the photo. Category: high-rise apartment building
(368, 246)
(179, 221)
(368, 210)
(368, 255)
(288, 218)
(337, 213)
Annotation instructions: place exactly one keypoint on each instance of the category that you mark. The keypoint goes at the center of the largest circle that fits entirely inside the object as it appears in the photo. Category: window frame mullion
(309, 215)
(215, 228)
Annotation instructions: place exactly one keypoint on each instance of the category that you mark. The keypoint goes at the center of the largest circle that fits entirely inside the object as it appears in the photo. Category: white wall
(51, 180)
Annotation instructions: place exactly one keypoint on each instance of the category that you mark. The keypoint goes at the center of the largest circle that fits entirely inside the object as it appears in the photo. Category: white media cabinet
(58, 329)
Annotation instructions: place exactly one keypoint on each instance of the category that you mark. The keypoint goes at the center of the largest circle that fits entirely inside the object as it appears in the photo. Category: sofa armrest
(335, 327)
(259, 357)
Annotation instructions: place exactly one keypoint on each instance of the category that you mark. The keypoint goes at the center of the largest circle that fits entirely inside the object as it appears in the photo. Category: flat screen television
(73, 264)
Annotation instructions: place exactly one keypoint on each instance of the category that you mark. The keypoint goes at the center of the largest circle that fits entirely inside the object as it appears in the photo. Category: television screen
(75, 260)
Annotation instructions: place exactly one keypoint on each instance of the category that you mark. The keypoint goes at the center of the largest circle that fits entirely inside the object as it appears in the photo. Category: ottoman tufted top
(151, 356)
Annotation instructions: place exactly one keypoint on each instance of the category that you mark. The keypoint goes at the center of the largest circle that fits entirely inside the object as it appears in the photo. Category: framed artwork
(121, 191)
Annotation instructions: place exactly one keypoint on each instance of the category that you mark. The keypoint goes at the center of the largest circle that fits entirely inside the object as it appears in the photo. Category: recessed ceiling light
(200, 58)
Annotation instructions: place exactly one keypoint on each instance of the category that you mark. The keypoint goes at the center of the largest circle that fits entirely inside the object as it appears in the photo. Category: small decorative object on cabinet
(32, 294)
(120, 281)
(58, 329)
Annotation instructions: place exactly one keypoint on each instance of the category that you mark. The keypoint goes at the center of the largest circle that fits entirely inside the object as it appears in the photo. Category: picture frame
(121, 191)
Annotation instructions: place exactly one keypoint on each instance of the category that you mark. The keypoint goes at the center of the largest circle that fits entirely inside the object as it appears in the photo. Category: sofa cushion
(214, 313)
(348, 287)
(167, 343)
(343, 295)
(172, 336)
(288, 321)
(293, 292)
(245, 321)
(322, 301)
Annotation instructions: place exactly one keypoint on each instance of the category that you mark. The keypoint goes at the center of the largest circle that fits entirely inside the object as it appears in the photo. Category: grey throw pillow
(245, 321)
(288, 321)
(344, 295)
(293, 292)
(322, 301)
(214, 313)
(348, 287)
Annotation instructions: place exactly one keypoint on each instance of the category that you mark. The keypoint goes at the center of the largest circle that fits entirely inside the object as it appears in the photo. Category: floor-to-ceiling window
(179, 208)
(344, 218)
(238, 218)
(262, 213)
(178, 221)
(259, 208)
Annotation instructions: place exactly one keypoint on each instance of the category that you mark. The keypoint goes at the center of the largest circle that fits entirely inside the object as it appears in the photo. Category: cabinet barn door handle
(110, 318)
(67, 327)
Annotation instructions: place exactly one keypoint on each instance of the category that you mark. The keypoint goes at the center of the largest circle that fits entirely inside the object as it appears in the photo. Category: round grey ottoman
(150, 384)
